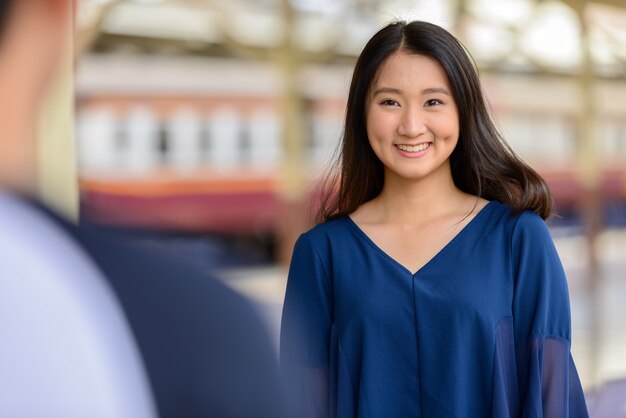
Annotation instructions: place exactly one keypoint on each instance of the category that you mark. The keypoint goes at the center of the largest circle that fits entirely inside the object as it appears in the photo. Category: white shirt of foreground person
(66, 349)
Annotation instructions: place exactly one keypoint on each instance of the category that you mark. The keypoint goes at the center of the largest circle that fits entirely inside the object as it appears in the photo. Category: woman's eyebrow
(387, 90)
(429, 90)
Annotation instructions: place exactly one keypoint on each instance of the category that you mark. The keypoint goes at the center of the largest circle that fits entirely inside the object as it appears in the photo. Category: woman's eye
(433, 102)
(389, 102)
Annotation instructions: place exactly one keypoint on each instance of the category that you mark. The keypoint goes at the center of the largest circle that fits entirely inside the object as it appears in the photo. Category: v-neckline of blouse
(435, 257)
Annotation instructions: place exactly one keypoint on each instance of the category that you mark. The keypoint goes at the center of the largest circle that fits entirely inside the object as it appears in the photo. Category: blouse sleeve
(548, 383)
(305, 332)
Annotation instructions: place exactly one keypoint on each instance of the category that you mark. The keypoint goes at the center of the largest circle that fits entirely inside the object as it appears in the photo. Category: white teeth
(414, 148)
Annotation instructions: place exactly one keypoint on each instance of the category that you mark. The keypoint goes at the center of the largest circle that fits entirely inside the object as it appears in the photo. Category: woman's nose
(411, 124)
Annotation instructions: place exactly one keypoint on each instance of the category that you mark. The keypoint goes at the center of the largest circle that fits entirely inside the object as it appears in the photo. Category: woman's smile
(413, 151)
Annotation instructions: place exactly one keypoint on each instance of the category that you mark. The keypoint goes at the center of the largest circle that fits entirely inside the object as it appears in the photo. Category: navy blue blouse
(481, 330)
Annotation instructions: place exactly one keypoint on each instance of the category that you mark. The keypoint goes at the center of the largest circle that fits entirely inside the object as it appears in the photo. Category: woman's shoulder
(525, 228)
(328, 230)
(322, 238)
(530, 228)
(525, 233)
(516, 218)
(517, 226)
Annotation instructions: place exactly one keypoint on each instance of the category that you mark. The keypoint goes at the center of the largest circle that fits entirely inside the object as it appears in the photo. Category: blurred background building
(208, 124)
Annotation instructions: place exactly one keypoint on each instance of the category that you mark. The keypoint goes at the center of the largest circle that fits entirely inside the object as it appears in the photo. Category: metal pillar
(294, 136)
(591, 199)
(56, 156)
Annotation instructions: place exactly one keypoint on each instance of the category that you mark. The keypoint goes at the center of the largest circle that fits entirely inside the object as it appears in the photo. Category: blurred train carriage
(196, 144)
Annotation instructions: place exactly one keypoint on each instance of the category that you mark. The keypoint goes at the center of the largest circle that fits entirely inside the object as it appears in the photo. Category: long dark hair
(482, 163)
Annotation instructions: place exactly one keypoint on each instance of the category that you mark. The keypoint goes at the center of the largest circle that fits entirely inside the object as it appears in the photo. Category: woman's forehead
(408, 70)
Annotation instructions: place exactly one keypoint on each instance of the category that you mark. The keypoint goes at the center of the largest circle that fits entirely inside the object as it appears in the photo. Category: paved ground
(598, 316)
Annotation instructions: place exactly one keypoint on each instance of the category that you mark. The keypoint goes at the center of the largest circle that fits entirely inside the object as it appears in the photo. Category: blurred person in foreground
(204, 351)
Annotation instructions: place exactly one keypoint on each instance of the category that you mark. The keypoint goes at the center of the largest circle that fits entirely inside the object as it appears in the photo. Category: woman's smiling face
(412, 119)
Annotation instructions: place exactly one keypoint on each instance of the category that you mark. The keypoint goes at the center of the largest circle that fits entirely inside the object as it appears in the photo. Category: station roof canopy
(502, 35)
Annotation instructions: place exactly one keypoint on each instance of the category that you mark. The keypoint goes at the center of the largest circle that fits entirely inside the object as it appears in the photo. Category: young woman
(431, 287)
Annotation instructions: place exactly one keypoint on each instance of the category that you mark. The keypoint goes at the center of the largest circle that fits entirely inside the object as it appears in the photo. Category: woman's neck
(409, 201)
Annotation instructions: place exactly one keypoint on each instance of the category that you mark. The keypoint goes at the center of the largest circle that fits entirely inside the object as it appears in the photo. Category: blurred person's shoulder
(203, 344)
(133, 268)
